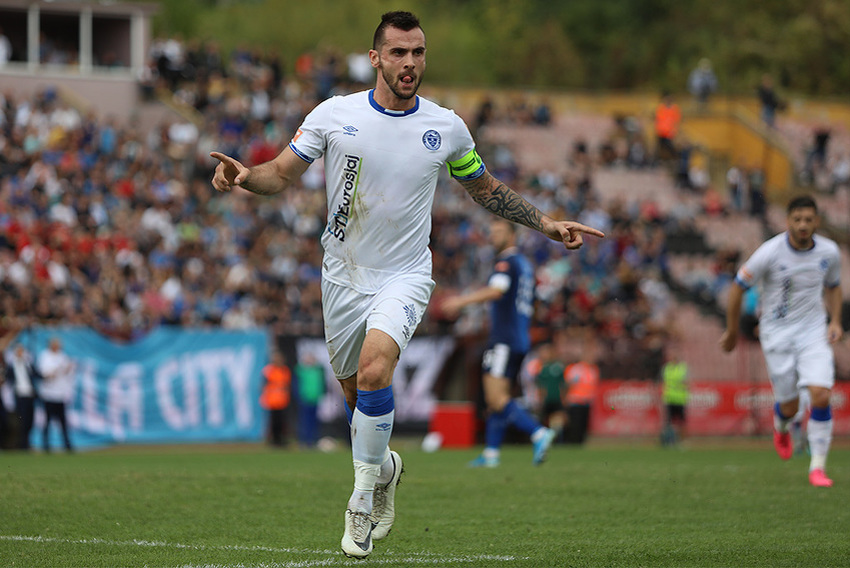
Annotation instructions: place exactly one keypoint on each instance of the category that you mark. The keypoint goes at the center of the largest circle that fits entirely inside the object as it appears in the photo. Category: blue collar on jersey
(799, 251)
(388, 112)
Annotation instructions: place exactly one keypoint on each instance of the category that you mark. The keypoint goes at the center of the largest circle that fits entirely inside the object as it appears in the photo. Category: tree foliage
(589, 44)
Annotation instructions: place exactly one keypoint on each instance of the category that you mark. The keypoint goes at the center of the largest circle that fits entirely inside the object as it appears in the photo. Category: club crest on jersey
(432, 139)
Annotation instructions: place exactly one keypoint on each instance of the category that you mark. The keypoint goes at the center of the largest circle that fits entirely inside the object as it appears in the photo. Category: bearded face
(400, 62)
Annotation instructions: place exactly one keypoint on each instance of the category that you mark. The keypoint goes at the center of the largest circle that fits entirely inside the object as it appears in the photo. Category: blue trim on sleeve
(741, 283)
(389, 112)
(475, 175)
(304, 157)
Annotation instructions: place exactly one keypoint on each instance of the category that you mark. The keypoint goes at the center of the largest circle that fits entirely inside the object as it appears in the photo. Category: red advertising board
(634, 408)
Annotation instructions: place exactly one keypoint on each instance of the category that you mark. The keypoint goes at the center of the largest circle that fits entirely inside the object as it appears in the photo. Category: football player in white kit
(799, 272)
(383, 150)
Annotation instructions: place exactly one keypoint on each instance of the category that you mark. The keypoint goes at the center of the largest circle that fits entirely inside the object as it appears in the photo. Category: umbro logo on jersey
(350, 130)
(432, 140)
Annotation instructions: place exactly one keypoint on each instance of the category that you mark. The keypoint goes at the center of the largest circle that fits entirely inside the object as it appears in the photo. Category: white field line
(423, 558)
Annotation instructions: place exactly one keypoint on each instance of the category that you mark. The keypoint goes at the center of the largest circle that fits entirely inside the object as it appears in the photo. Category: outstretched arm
(498, 198)
(453, 306)
(267, 178)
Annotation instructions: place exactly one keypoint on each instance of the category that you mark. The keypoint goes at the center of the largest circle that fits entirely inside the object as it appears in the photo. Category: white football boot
(383, 500)
(357, 539)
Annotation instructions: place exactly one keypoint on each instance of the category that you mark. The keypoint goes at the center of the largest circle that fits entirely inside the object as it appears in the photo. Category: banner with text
(416, 373)
(172, 386)
(634, 408)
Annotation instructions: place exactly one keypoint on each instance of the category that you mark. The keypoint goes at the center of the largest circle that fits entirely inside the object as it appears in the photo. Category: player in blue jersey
(383, 150)
(510, 292)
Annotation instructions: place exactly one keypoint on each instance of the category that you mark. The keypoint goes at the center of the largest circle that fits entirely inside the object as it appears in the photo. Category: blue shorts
(501, 361)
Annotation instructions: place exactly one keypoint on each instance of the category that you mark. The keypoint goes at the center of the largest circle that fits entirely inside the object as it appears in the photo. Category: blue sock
(348, 412)
(494, 432)
(376, 403)
(821, 414)
(519, 417)
(372, 425)
(778, 410)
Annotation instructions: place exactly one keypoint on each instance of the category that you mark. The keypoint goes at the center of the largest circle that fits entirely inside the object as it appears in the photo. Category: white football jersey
(381, 171)
(792, 283)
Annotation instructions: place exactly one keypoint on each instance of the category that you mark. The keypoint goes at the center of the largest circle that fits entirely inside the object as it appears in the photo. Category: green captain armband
(469, 167)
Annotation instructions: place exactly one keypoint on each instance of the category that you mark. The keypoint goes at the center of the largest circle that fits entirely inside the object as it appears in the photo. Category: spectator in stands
(801, 302)
(841, 173)
(702, 81)
(736, 187)
(757, 196)
(668, 118)
(816, 157)
(57, 388)
(542, 114)
(770, 102)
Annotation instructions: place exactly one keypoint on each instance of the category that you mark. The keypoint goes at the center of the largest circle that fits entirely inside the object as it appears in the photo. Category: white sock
(490, 453)
(370, 438)
(539, 433)
(780, 424)
(361, 501)
(820, 439)
(387, 469)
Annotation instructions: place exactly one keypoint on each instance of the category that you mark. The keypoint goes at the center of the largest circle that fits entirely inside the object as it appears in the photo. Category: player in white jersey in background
(383, 150)
(799, 272)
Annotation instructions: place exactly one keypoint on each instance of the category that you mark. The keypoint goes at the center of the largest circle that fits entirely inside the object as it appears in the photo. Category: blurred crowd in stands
(116, 226)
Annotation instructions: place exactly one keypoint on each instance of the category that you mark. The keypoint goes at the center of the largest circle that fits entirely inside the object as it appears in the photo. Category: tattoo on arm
(498, 198)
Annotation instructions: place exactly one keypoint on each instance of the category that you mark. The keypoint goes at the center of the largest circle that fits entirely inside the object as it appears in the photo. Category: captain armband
(469, 167)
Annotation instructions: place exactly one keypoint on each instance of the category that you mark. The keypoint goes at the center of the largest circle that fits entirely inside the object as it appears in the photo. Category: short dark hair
(802, 202)
(404, 21)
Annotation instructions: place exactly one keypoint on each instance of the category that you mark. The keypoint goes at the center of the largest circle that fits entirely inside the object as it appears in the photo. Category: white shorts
(792, 368)
(396, 309)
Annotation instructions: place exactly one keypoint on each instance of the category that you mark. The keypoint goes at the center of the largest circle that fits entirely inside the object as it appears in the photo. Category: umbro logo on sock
(383, 427)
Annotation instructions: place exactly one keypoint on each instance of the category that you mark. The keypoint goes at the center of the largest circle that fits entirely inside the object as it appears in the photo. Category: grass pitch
(724, 504)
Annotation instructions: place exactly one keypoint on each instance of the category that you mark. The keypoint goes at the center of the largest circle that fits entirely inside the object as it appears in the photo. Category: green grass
(605, 505)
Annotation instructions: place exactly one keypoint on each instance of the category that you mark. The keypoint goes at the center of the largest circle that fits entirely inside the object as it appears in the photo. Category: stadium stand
(113, 224)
